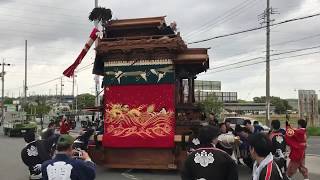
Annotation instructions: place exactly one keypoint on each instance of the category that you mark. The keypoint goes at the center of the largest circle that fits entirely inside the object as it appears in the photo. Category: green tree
(85, 100)
(211, 105)
(37, 109)
(281, 105)
(8, 100)
(242, 101)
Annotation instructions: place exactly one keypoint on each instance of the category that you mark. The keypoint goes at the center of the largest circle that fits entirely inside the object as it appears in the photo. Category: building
(308, 106)
(205, 89)
(225, 97)
(207, 85)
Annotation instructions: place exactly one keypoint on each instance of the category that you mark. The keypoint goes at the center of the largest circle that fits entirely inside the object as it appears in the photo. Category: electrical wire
(220, 18)
(260, 62)
(51, 7)
(57, 78)
(296, 40)
(262, 57)
(254, 29)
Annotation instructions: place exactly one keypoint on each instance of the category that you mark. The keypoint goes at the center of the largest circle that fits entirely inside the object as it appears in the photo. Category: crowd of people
(214, 152)
(216, 148)
(57, 155)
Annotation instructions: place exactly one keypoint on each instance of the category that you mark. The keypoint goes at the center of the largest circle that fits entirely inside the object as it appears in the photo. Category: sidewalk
(313, 163)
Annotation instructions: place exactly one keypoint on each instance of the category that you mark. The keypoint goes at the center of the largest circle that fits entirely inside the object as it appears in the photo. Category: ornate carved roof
(128, 44)
(148, 38)
(193, 55)
(136, 23)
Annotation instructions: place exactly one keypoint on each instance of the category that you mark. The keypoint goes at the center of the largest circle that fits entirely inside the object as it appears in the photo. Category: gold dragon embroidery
(143, 121)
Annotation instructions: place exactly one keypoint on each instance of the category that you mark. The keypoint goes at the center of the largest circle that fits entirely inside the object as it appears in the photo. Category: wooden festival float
(149, 98)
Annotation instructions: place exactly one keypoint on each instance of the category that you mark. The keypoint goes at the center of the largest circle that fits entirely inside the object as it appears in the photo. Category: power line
(236, 10)
(35, 24)
(278, 44)
(62, 20)
(254, 29)
(39, 12)
(296, 40)
(262, 57)
(260, 62)
(57, 78)
(52, 7)
(43, 83)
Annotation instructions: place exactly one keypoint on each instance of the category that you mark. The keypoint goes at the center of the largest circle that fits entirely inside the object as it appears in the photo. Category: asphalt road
(313, 146)
(12, 168)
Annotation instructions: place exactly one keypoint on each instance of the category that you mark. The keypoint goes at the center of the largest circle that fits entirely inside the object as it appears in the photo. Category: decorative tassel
(100, 14)
(93, 36)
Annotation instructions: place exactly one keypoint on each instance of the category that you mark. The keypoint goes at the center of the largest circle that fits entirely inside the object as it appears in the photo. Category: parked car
(240, 121)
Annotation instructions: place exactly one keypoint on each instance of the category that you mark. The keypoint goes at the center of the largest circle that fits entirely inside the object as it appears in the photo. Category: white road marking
(129, 176)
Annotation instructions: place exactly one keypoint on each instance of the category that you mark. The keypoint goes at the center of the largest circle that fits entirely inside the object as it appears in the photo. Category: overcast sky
(56, 31)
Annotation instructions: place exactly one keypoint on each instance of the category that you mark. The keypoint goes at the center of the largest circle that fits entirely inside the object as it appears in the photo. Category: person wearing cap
(208, 162)
(64, 166)
(264, 167)
(33, 155)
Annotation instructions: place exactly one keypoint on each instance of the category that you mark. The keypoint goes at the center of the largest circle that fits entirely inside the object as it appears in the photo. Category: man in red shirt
(296, 139)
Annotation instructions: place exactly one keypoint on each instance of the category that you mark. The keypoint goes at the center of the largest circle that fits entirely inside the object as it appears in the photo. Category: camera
(77, 153)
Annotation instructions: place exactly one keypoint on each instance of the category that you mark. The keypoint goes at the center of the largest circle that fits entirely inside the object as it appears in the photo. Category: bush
(313, 131)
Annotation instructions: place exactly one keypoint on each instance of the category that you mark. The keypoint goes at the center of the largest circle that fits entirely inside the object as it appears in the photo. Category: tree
(242, 101)
(281, 105)
(8, 100)
(37, 109)
(211, 105)
(85, 100)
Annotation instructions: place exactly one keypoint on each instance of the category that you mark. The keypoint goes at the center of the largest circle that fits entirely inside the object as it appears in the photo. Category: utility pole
(268, 11)
(61, 87)
(267, 20)
(2, 90)
(25, 71)
(77, 105)
(73, 81)
(56, 93)
(97, 77)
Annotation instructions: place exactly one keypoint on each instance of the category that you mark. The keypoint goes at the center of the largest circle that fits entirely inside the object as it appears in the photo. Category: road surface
(12, 168)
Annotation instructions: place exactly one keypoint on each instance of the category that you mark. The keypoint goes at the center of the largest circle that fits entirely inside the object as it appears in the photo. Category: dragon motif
(143, 121)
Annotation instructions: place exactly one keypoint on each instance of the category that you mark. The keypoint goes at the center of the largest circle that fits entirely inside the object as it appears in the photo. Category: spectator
(257, 127)
(248, 126)
(209, 162)
(228, 126)
(213, 121)
(243, 134)
(223, 128)
(278, 145)
(49, 140)
(33, 155)
(225, 140)
(63, 166)
(51, 125)
(297, 140)
(193, 142)
(64, 126)
(264, 167)
(276, 126)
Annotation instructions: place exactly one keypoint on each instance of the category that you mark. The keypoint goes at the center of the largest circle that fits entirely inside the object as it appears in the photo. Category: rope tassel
(70, 70)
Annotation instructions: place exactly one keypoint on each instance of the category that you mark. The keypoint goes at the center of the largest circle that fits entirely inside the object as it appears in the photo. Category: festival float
(148, 103)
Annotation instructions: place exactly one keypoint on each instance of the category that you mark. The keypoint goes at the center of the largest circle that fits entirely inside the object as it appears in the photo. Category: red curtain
(139, 116)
